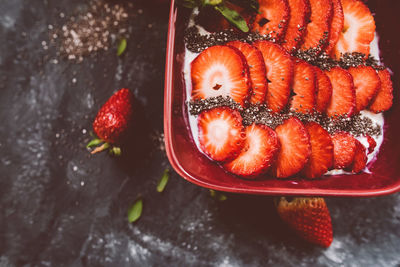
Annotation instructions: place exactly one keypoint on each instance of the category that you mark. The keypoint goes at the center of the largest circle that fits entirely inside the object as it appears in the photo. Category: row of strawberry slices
(293, 148)
(332, 26)
(264, 72)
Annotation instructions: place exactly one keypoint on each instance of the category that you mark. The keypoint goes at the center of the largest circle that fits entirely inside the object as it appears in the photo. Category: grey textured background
(62, 207)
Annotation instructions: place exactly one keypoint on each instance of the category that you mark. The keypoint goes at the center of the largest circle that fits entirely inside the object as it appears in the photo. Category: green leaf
(121, 47)
(135, 211)
(218, 195)
(94, 142)
(212, 2)
(163, 181)
(233, 17)
(222, 197)
(213, 193)
(116, 151)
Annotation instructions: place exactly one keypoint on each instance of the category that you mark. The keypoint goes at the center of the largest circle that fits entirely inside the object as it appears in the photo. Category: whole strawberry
(112, 122)
(308, 217)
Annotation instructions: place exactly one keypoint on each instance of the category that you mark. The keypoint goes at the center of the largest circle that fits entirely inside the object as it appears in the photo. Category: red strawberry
(303, 99)
(259, 152)
(343, 100)
(360, 158)
(299, 15)
(317, 30)
(279, 74)
(384, 98)
(336, 25)
(273, 18)
(295, 148)
(366, 83)
(358, 28)
(309, 218)
(371, 144)
(324, 90)
(112, 122)
(220, 70)
(221, 134)
(258, 72)
(344, 149)
(321, 159)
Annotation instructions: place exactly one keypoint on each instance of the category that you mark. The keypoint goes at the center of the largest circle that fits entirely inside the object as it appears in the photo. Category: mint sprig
(219, 5)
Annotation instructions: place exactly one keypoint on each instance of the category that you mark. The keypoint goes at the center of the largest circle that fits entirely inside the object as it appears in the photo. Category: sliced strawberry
(309, 218)
(343, 100)
(344, 149)
(259, 152)
(221, 133)
(321, 159)
(295, 148)
(358, 28)
(384, 98)
(371, 144)
(324, 90)
(303, 99)
(273, 18)
(299, 15)
(360, 158)
(279, 74)
(336, 25)
(318, 28)
(220, 70)
(258, 72)
(366, 83)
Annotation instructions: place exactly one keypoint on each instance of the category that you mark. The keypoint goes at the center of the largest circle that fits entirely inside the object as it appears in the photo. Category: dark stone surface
(62, 207)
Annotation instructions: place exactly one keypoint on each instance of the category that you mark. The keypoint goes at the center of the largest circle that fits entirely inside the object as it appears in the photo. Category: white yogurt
(376, 118)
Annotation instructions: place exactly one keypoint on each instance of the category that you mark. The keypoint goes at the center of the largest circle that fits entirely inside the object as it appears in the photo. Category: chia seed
(261, 114)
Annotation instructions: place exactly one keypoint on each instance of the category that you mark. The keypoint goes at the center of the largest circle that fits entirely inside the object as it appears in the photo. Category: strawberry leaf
(233, 17)
(163, 181)
(121, 47)
(116, 151)
(135, 211)
(94, 142)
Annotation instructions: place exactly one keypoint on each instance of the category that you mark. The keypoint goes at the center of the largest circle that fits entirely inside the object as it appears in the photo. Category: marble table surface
(60, 206)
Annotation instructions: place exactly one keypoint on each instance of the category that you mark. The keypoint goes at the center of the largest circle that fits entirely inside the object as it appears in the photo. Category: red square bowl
(198, 169)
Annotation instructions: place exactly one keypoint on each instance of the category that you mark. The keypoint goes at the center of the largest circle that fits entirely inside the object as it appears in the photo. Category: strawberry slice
(324, 90)
(336, 25)
(259, 152)
(273, 18)
(221, 133)
(299, 15)
(371, 144)
(344, 149)
(384, 98)
(258, 72)
(220, 70)
(321, 159)
(303, 99)
(343, 100)
(295, 148)
(360, 158)
(318, 28)
(309, 218)
(279, 74)
(366, 83)
(358, 28)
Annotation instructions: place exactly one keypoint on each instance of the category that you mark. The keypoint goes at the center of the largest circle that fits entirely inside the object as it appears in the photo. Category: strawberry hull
(192, 165)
